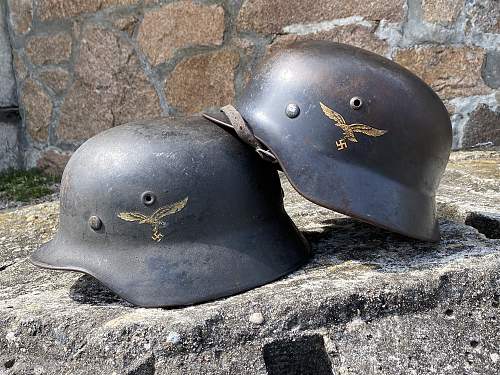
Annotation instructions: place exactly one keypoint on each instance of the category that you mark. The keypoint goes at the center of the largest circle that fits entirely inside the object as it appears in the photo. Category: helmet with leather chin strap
(352, 131)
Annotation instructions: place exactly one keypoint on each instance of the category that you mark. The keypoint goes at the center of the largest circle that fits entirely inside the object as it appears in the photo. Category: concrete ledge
(369, 302)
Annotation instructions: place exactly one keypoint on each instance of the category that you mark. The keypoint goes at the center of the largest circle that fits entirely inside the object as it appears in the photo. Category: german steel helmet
(353, 132)
(172, 212)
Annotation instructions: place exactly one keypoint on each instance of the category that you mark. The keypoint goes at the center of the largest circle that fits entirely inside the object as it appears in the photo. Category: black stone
(304, 356)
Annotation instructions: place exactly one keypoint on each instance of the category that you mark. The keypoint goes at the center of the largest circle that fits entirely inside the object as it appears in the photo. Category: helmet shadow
(89, 291)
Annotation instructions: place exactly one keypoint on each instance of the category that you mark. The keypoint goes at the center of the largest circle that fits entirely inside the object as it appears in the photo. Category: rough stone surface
(470, 185)
(203, 81)
(491, 69)
(256, 318)
(20, 68)
(7, 81)
(9, 142)
(56, 9)
(483, 127)
(53, 162)
(356, 35)
(127, 24)
(37, 108)
(57, 79)
(266, 16)
(21, 15)
(450, 71)
(179, 25)
(49, 49)
(486, 223)
(401, 306)
(483, 16)
(110, 88)
(441, 11)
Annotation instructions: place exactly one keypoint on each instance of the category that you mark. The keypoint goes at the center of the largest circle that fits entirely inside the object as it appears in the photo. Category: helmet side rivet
(292, 110)
(356, 102)
(148, 198)
(95, 222)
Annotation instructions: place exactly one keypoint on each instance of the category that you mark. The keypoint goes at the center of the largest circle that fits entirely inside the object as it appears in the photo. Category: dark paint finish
(390, 180)
(232, 235)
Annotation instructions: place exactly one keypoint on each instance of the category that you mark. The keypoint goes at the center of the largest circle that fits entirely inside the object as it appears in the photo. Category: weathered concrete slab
(7, 81)
(470, 185)
(369, 302)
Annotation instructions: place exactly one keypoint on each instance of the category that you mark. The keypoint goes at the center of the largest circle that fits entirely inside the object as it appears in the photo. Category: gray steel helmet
(353, 132)
(172, 212)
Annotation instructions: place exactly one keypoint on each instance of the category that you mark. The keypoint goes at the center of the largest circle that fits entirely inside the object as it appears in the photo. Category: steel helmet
(353, 132)
(172, 212)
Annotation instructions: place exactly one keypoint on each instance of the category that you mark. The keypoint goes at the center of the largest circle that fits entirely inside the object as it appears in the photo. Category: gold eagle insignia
(154, 219)
(349, 130)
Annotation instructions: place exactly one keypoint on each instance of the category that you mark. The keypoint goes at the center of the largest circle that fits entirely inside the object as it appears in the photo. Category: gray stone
(482, 16)
(7, 81)
(9, 146)
(256, 318)
(173, 338)
(368, 302)
(483, 127)
(491, 69)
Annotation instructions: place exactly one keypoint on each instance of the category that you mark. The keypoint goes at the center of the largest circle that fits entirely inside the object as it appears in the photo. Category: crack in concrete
(4, 266)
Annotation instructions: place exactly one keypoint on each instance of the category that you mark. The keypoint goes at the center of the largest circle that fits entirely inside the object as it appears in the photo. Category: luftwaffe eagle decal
(154, 219)
(349, 130)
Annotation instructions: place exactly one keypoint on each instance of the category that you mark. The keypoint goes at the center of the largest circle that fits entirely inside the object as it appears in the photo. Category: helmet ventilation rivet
(95, 222)
(292, 110)
(148, 198)
(356, 102)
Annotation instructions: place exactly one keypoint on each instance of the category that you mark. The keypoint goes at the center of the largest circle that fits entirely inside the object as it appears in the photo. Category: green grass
(25, 185)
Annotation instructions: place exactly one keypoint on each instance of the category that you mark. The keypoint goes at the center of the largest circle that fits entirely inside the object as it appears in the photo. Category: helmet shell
(172, 212)
(380, 161)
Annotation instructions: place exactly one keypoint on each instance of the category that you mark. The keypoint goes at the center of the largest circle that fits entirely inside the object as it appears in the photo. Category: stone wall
(7, 81)
(83, 66)
(9, 119)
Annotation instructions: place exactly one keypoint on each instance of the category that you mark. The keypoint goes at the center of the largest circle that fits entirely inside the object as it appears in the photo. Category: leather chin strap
(240, 126)
(243, 131)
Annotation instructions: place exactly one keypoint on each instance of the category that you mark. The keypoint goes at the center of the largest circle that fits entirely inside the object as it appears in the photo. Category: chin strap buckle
(244, 132)
(266, 155)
